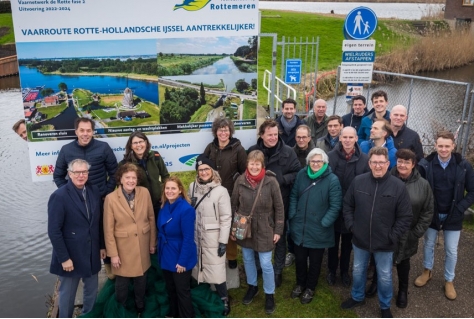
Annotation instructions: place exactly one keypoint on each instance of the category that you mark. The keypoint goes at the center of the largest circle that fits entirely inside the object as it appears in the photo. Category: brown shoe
(108, 271)
(449, 291)
(421, 280)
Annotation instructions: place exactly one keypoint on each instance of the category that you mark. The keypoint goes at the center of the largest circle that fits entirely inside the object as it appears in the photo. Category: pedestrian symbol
(360, 23)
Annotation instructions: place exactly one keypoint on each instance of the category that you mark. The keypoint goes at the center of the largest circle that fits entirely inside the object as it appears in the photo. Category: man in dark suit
(77, 238)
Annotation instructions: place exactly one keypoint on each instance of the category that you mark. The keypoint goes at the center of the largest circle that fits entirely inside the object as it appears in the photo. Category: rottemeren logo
(189, 160)
(192, 5)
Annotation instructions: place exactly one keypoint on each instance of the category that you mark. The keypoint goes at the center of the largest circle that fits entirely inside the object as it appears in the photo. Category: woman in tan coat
(130, 234)
(212, 227)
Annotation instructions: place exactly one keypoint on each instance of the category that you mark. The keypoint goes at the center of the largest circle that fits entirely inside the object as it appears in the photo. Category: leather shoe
(372, 289)
(226, 306)
(402, 299)
(386, 313)
(351, 303)
(331, 278)
(278, 280)
(346, 279)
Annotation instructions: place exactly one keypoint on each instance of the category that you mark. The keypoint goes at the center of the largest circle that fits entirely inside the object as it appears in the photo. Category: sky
(70, 49)
(211, 45)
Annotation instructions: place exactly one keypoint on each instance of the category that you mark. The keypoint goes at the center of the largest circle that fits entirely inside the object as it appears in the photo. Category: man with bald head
(404, 137)
(346, 161)
(317, 121)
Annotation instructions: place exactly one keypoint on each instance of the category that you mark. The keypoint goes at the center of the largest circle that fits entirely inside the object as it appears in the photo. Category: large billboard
(167, 68)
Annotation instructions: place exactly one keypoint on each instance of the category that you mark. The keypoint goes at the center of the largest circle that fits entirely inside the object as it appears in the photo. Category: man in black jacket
(358, 111)
(404, 137)
(452, 180)
(347, 161)
(377, 210)
(281, 160)
(288, 122)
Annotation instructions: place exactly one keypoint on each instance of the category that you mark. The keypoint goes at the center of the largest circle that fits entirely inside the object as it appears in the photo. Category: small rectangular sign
(358, 56)
(358, 45)
(356, 72)
(354, 89)
(293, 71)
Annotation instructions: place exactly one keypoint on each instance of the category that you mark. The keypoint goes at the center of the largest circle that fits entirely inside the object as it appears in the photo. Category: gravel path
(429, 301)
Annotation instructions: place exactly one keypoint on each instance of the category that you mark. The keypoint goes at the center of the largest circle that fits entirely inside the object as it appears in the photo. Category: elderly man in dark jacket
(346, 161)
(281, 160)
(377, 211)
(452, 180)
(77, 238)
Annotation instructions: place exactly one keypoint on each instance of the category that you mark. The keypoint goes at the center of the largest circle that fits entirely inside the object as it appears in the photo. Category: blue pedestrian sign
(293, 71)
(360, 24)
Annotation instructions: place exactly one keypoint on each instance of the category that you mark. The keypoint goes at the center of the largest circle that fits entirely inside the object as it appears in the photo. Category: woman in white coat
(213, 220)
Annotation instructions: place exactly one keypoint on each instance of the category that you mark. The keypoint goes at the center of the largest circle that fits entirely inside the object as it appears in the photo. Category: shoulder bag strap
(256, 198)
(202, 198)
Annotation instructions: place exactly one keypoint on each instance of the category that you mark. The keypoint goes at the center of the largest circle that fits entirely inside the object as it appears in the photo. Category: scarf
(254, 180)
(318, 173)
(349, 155)
(288, 126)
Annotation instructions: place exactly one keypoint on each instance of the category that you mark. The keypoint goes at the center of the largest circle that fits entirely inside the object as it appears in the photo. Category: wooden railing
(8, 66)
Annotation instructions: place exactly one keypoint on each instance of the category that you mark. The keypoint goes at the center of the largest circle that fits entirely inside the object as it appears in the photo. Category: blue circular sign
(360, 23)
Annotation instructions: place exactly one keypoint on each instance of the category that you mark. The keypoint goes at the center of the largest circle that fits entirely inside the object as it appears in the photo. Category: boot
(269, 303)
(226, 306)
(252, 291)
(402, 298)
(449, 291)
(421, 280)
(108, 271)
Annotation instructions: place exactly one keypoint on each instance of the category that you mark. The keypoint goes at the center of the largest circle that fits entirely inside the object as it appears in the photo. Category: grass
(201, 114)
(250, 110)
(7, 21)
(52, 111)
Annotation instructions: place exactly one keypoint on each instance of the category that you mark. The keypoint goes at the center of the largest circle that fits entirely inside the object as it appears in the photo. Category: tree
(167, 94)
(47, 91)
(62, 86)
(254, 84)
(241, 85)
(203, 94)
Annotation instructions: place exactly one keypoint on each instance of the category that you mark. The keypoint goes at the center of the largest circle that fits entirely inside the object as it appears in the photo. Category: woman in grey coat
(212, 227)
(422, 204)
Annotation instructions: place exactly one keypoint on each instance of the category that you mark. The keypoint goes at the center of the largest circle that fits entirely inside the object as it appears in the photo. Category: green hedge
(5, 7)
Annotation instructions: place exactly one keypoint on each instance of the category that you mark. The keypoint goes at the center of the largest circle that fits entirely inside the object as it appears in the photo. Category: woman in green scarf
(315, 202)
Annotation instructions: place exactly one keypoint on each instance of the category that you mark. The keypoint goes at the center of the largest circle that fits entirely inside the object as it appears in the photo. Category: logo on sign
(360, 23)
(192, 5)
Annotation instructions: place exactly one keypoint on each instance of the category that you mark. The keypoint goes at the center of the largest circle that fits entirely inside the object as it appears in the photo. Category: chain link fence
(433, 104)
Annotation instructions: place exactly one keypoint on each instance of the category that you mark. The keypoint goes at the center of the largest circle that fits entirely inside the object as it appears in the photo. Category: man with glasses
(304, 143)
(103, 163)
(76, 235)
(377, 210)
(288, 121)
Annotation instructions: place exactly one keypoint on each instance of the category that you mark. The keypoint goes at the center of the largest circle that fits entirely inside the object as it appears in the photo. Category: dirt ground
(429, 301)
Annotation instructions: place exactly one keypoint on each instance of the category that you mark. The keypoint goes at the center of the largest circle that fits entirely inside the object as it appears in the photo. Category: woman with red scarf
(267, 223)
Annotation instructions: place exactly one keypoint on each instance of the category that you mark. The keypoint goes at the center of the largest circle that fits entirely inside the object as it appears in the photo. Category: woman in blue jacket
(315, 202)
(177, 253)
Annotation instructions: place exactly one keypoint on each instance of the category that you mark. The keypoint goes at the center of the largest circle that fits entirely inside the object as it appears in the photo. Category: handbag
(241, 225)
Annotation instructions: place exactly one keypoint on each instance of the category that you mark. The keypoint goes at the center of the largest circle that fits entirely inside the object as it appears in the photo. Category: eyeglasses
(301, 137)
(318, 162)
(138, 143)
(223, 130)
(378, 163)
(203, 170)
(77, 173)
(402, 162)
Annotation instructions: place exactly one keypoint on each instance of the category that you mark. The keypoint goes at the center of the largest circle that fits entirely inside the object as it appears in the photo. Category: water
(408, 11)
(31, 77)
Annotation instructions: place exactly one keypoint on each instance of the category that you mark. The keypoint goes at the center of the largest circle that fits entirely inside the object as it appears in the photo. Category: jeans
(383, 265)
(333, 253)
(67, 294)
(308, 278)
(267, 269)
(451, 240)
(139, 289)
(178, 287)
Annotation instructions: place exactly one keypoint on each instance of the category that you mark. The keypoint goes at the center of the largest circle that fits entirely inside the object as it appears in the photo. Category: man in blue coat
(77, 238)
(378, 112)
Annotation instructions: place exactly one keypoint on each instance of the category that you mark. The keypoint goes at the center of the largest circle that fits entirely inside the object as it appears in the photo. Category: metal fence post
(468, 128)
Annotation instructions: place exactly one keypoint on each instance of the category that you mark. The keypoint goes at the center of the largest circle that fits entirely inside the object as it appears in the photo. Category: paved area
(429, 301)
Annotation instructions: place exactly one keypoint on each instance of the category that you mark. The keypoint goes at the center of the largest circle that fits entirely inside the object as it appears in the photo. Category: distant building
(51, 100)
(459, 13)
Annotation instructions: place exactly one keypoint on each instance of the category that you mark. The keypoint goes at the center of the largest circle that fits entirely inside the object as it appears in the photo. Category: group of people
(354, 183)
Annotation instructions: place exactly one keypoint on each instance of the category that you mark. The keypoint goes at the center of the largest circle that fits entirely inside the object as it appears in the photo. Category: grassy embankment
(6, 21)
(52, 111)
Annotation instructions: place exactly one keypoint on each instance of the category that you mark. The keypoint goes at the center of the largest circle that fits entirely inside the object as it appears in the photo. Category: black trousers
(305, 277)
(345, 239)
(178, 286)
(403, 271)
(222, 290)
(139, 288)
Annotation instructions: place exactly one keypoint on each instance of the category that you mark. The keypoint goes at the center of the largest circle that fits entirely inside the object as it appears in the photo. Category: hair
(184, 194)
(335, 117)
(83, 120)
(125, 168)
(378, 150)
(317, 151)
(257, 156)
(129, 154)
(288, 100)
(16, 126)
(386, 127)
(267, 124)
(445, 134)
(77, 161)
(349, 128)
(406, 154)
(326, 103)
(221, 122)
(304, 126)
(379, 94)
(359, 97)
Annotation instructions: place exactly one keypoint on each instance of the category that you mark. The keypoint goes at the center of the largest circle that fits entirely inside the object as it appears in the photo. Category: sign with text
(358, 58)
(356, 72)
(354, 89)
(293, 71)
